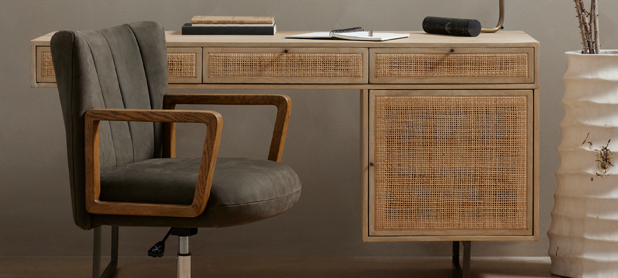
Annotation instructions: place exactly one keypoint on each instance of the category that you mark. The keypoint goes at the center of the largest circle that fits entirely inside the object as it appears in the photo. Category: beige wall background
(322, 144)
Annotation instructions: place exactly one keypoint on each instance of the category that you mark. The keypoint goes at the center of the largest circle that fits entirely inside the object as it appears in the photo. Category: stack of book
(230, 25)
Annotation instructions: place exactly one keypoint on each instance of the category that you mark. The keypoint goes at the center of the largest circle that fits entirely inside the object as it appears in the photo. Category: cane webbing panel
(47, 66)
(181, 65)
(451, 65)
(285, 65)
(450, 162)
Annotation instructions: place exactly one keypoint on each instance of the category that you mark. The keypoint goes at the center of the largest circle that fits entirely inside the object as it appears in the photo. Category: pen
(371, 33)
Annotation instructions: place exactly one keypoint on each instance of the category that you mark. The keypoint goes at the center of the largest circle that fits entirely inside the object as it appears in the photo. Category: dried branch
(580, 15)
(589, 26)
(595, 21)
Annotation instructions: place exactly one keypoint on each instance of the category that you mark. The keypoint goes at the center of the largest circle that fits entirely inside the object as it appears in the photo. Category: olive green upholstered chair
(121, 146)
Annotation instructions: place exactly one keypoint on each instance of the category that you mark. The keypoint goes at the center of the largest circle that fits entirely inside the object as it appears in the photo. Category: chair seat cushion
(243, 190)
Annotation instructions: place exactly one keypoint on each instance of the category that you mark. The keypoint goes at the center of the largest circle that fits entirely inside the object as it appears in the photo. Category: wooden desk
(449, 125)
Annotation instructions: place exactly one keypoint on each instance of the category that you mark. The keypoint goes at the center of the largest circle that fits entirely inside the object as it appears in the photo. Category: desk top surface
(416, 39)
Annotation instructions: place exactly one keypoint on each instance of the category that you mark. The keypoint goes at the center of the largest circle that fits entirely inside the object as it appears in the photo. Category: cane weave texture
(450, 162)
(451, 65)
(181, 65)
(47, 67)
(285, 65)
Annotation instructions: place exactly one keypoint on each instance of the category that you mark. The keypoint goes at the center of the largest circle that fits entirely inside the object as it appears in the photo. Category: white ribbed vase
(583, 237)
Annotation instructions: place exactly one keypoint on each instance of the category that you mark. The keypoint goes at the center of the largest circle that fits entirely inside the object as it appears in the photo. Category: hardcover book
(229, 29)
(201, 19)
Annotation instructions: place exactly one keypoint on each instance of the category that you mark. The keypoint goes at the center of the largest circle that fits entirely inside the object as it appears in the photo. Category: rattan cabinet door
(440, 65)
(450, 163)
(286, 65)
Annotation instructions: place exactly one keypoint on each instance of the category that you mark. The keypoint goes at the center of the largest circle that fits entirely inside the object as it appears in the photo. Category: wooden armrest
(283, 103)
(213, 121)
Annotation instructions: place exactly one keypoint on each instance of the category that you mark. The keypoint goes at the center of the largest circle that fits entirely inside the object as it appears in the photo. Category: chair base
(184, 257)
(184, 266)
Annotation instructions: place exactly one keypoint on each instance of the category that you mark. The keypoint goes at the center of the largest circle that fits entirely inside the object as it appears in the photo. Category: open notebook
(357, 36)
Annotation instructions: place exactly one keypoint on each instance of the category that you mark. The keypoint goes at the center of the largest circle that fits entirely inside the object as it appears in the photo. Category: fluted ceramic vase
(584, 231)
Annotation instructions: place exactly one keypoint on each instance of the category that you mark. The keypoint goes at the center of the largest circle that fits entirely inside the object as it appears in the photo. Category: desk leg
(460, 271)
(364, 159)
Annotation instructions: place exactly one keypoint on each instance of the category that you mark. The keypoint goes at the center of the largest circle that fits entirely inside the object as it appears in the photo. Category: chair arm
(213, 121)
(283, 103)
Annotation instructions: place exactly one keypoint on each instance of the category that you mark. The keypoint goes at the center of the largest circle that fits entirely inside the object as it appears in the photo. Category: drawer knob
(371, 164)
(285, 51)
(452, 50)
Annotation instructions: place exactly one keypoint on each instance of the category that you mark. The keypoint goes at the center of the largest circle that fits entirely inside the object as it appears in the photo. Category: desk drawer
(452, 65)
(285, 65)
(44, 67)
(184, 65)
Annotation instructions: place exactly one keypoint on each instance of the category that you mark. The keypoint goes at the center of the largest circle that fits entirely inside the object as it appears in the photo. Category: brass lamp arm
(500, 21)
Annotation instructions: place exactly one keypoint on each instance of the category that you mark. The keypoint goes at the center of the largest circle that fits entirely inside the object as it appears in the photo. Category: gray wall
(322, 145)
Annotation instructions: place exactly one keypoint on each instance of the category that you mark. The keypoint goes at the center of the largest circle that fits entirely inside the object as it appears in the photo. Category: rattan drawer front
(184, 65)
(452, 65)
(279, 65)
(44, 67)
(447, 163)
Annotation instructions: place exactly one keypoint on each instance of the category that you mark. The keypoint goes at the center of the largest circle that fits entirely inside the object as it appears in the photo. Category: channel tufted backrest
(119, 67)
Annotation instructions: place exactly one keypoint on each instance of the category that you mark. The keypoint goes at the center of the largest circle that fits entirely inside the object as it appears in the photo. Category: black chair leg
(460, 271)
(96, 256)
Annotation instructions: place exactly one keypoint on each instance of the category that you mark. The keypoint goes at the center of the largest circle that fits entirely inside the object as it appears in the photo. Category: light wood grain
(502, 39)
(94, 205)
(282, 102)
(372, 86)
(364, 161)
(33, 69)
(415, 39)
(194, 86)
(537, 147)
(450, 237)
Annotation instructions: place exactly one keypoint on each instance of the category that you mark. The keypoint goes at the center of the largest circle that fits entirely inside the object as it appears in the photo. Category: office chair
(121, 145)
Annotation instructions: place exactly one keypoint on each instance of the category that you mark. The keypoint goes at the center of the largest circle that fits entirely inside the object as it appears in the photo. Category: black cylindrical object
(452, 26)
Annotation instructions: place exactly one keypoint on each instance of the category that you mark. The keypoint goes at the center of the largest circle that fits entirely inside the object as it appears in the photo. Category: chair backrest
(118, 67)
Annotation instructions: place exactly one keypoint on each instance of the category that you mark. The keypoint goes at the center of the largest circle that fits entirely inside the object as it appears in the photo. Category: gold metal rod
(500, 21)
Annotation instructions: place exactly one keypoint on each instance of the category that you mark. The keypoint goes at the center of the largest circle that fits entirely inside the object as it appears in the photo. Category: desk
(449, 125)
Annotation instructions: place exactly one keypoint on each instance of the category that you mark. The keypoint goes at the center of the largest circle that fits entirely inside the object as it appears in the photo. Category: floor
(257, 267)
